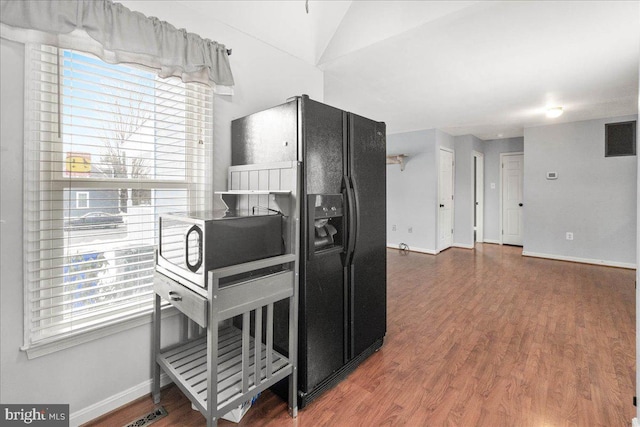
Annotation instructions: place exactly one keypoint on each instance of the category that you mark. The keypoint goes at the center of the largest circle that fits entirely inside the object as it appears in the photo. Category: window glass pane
(82, 199)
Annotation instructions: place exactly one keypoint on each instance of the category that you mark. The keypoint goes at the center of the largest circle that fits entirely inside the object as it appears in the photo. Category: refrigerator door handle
(310, 227)
(350, 221)
(354, 227)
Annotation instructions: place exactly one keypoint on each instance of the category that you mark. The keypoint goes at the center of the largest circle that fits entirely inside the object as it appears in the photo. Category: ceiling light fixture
(554, 112)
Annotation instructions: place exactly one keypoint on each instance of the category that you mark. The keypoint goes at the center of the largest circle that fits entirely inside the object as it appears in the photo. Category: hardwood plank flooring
(481, 337)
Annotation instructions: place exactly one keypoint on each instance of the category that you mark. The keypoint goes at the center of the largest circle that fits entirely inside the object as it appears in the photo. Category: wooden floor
(476, 338)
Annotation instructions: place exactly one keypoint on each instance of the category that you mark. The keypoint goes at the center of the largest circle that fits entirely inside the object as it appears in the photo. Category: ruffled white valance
(118, 35)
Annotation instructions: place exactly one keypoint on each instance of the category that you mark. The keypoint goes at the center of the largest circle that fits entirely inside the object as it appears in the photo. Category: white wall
(491, 213)
(412, 193)
(594, 196)
(98, 376)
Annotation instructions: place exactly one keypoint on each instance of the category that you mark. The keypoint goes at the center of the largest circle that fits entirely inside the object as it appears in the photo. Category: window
(82, 199)
(108, 148)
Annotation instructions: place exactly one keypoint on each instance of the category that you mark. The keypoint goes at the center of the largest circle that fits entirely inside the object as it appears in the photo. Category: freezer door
(368, 270)
(324, 316)
(322, 292)
(324, 135)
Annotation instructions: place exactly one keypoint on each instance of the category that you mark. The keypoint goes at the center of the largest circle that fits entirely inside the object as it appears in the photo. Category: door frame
(502, 156)
(453, 192)
(477, 182)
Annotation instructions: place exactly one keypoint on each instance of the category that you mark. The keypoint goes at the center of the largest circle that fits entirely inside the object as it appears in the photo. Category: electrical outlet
(410, 229)
(393, 227)
(569, 235)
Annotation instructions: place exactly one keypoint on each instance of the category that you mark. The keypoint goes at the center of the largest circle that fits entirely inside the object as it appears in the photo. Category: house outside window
(109, 147)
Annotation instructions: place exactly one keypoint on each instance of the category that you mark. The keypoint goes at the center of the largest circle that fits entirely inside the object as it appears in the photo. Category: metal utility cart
(219, 358)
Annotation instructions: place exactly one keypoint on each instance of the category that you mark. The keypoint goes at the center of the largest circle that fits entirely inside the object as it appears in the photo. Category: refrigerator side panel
(368, 270)
(268, 136)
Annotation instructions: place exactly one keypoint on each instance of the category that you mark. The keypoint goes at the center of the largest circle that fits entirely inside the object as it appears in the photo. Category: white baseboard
(114, 402)
(581, 260)
(464, 245)
(492, 241)
(413, 249)
(634, 423)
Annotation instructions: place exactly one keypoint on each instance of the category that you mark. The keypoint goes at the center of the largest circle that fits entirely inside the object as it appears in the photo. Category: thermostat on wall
(552, 175)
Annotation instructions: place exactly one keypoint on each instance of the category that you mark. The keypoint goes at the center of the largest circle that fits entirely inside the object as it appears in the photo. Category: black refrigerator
(342, 307)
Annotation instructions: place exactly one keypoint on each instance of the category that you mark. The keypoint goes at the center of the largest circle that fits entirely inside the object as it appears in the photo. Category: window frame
(57, 183)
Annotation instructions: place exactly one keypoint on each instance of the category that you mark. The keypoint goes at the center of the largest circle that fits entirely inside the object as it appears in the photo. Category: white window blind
(108, 148)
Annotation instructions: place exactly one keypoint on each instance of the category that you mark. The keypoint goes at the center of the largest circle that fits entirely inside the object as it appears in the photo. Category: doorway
(478, 197)
(445, 199)
(511, 218)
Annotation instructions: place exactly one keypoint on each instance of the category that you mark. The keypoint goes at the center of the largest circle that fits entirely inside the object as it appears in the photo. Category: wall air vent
(620, 139)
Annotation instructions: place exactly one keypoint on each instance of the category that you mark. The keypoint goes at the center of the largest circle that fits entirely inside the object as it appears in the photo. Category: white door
(512, 204)
(478, 224)
(445, 200)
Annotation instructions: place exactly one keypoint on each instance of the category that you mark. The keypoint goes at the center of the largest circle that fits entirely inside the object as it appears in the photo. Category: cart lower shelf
(186, 365)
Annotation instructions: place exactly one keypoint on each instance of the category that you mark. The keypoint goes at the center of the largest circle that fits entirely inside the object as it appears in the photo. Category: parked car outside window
(94, 220)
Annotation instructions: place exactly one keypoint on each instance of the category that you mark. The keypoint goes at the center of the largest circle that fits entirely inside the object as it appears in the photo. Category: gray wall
(98, 376)
(463, 197)
(444, 140)
(594, 196)
(412, 193)
(492, 150)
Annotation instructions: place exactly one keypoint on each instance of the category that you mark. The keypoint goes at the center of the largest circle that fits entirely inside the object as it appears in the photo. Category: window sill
(44, 348)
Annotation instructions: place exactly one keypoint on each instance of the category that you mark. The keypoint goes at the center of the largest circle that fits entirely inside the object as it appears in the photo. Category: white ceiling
(466, 67)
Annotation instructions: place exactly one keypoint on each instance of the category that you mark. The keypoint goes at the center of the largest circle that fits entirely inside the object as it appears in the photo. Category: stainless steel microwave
(191, 244)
